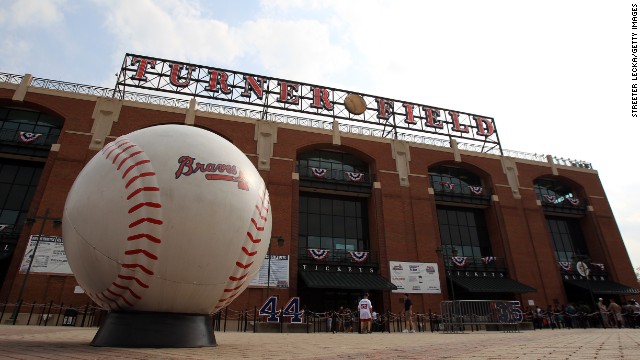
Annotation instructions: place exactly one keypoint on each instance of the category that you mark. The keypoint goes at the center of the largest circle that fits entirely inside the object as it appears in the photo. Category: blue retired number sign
(292, 310)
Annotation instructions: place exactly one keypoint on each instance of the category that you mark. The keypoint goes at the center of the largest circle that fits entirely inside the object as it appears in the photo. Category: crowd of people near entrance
(364, 319)
(347, 321)
(607, 315)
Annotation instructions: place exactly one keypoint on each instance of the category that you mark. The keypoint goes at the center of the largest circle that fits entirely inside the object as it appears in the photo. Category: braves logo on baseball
(187, 167)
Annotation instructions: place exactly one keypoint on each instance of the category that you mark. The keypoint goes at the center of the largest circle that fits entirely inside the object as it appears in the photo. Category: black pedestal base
(155, 330)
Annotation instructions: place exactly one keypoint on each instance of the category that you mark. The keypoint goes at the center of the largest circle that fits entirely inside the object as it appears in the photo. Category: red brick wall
(403, 222)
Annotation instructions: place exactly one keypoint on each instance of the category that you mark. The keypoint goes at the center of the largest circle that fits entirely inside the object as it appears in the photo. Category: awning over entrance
(603, 287)
(336, 280)
(492, 285)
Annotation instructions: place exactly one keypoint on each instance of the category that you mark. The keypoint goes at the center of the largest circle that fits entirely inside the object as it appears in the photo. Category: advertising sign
(49, 257)
(278, 277)
(415, 277)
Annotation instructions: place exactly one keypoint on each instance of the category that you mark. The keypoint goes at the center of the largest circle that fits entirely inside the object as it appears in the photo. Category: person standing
(374, 321)
(616, 312)
(408, 314)
(604, 315)
(365, 314)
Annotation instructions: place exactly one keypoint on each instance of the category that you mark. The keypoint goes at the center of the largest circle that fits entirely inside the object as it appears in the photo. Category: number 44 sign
(292, 310)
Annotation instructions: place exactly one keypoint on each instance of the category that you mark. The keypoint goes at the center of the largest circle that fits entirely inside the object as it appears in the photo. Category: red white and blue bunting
(28, 137)
(573, 201)
(488, 259)
(318, 254)
(565, 265)
(354, 176)
(359, 256)
(476, 189)
(319, 172)
(447, 184)
(552, 199)
(459, 261)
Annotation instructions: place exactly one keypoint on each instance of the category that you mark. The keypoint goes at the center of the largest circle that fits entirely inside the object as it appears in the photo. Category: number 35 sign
(292, 310)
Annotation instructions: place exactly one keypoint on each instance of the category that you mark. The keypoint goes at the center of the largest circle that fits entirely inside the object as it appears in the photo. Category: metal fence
(276, 117)
(455, 317)
(460, 314)
(50, 314)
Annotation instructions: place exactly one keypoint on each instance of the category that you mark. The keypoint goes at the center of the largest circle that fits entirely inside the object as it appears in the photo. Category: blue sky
(556, 76)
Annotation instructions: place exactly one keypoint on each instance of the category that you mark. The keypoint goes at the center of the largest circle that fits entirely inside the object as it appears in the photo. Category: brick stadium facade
(519, 223)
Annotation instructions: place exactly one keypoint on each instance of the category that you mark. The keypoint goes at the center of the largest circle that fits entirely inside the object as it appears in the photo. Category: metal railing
(50, 314)
(457, 315)
(336, 257)
(280, 118)
(579, 207)
(494, 264)
(338, 175)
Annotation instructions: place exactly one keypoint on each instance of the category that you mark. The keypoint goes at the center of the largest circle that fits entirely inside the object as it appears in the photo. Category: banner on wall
(50, 257)
(278, 277)
(415, 277)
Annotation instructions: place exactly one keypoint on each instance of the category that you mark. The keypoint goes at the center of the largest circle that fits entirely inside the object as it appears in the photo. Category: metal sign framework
(396, 118)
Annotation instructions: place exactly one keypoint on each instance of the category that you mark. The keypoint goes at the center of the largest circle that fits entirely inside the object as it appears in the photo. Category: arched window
(562, 209)
(462, 227)
(28, 132)
(23, 132)
(558, 197)
(341, 169)
(333, 207)
(456, 184)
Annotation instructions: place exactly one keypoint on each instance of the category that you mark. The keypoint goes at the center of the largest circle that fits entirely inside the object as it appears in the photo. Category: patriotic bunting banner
(354, 176)
(318, 254)
(447, 184)
(28, 137)
(359, 256)
(476, 189)
(565, 265)
(488, 259)
(459, 261)
(599, 266)
(549, 198)
(319, 172)
(574, 202)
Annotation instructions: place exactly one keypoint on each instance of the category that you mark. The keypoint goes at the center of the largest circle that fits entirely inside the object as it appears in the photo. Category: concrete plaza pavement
(39, 342)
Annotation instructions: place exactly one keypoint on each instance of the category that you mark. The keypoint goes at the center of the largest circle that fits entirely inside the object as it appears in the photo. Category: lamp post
(441, 250)
(280, 243)
(44, 219)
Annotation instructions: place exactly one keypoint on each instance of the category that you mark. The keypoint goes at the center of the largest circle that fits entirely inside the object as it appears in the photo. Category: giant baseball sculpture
(169, 220)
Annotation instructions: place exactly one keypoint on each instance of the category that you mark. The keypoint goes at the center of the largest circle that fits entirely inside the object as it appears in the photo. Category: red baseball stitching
(127, 288)
(237, 277)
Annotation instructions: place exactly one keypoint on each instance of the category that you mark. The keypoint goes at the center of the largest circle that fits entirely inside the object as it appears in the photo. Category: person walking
(408, 314)
(365, 314)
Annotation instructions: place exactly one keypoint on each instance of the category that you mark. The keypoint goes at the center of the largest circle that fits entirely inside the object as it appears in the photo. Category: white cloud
(173, 29)
(301, 50)
(32, 13)
(13, 50)
(179, 30)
